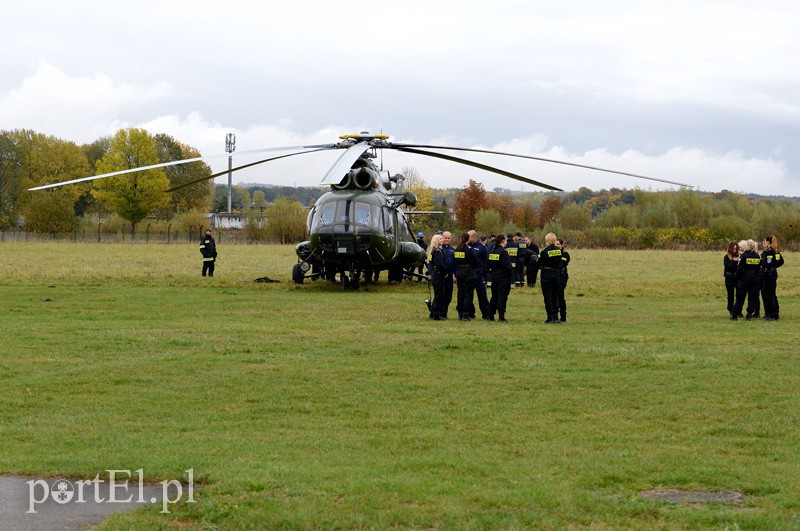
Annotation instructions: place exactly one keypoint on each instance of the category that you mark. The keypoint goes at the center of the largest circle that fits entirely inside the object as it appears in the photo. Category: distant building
(224, 220)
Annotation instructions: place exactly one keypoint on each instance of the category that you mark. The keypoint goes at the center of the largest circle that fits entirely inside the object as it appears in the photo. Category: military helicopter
(360, 225)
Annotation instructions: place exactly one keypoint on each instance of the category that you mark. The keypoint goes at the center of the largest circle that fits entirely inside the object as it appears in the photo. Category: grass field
(304, 406)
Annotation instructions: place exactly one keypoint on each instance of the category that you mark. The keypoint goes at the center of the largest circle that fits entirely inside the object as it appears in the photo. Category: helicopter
(360, 225)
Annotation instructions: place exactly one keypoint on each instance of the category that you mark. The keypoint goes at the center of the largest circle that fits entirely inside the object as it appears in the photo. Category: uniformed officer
(449, 269)
(532, 262)
(466, 261)
(512, 249)
(550, 268)
(563, 278)
(436, 275)
(771, 260)
(748, 272)
(424, 247)
(501, 270)
(482, 254)
(522, 257)
(208, 248)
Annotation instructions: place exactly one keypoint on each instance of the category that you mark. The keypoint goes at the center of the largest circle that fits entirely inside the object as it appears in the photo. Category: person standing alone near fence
(208, 248)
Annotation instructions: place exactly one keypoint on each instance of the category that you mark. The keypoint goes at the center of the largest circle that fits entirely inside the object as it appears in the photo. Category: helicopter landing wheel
(297, 274)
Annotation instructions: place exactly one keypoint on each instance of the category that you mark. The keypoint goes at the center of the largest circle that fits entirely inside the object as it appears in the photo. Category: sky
(702, 92)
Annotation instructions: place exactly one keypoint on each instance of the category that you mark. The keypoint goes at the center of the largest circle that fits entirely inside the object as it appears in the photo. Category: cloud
(80, 109)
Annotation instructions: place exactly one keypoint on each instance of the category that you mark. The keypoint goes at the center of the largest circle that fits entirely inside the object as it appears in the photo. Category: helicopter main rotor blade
(201, 179)
(477, 165)
(344, 163)
(554, 161)
(175, 163)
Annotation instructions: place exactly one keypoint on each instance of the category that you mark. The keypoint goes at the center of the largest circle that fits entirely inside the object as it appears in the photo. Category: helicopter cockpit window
(403, 225)
(362, 214)
(343, 212)
(388, 220)
(326, 213)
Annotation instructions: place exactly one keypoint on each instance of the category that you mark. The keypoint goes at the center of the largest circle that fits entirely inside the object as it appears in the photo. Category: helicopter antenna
(381, 152)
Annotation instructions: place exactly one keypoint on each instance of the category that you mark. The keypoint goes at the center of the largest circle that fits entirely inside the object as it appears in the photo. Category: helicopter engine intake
(364, 179)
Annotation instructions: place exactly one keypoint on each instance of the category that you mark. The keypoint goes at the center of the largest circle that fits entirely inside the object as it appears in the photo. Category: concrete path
(30, 503)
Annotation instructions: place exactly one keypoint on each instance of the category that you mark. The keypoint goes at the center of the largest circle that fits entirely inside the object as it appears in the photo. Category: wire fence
(191, 235)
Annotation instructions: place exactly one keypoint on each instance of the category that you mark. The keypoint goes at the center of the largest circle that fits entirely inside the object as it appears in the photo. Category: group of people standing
(748, 274)
(473, 266)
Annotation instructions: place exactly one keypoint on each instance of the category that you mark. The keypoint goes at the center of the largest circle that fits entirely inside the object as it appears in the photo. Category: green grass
(309, 407)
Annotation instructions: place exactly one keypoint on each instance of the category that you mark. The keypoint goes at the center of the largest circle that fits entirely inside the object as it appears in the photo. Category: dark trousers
(483, 300)
(500, 291)
(208, 267)
(730, 287)
(747, 287)
(447, 296)
(531, 273)
(520, 270)
(438, 299)
(768, 286)
(562, 303)
(550, 295)
(465, 301)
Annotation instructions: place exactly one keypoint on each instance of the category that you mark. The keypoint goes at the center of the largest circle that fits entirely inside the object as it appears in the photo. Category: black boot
(502, 318)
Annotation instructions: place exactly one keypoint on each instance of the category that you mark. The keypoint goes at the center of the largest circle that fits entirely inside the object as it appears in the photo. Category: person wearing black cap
(208, 248)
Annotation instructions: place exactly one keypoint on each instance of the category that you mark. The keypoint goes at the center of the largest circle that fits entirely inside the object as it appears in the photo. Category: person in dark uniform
(522, 256)
(482, 254)
(208, 248)
(563, 278)
(501, 270)
(731, 262)
(532, 262)
(748, 272)
(450, 269)
(466, 262)
(771, 260)
(436, 274)
(512, 249)
(421, 243)
(550, 268)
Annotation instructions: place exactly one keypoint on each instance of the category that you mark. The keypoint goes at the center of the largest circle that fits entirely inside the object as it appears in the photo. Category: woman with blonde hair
(436, 275)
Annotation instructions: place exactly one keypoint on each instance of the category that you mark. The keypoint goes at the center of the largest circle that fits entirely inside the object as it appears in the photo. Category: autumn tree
(415, 183)
(467, 203)
(488, 221)
(10, 179)
(135, 195)
(550, 209)
(46, 159)
(286, 220)
(524, 215)
(502, 204)
(194, 196)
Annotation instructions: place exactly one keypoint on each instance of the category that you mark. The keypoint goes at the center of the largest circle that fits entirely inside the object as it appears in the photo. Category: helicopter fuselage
(359, 230)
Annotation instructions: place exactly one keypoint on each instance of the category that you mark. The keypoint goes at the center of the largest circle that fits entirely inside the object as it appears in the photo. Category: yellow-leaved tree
(132, 195)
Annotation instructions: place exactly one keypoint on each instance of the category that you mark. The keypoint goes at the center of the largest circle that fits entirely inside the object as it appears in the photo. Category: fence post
(169, 228)
(98, 231)
(147, 234)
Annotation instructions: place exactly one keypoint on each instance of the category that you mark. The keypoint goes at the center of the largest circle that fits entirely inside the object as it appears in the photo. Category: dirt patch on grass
(689, 496)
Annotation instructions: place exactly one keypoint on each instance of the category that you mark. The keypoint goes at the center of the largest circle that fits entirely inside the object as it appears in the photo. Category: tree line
(605, 218)
(619, 218)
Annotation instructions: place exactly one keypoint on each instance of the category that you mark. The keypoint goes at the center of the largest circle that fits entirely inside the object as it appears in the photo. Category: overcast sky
(701, 92)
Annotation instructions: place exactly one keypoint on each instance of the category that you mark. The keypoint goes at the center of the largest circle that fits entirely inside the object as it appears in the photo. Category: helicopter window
(343, 212)
(388, 220)
(362, 214)
(404, 228)
(312, 216)
(326, 213)
(375, 210)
